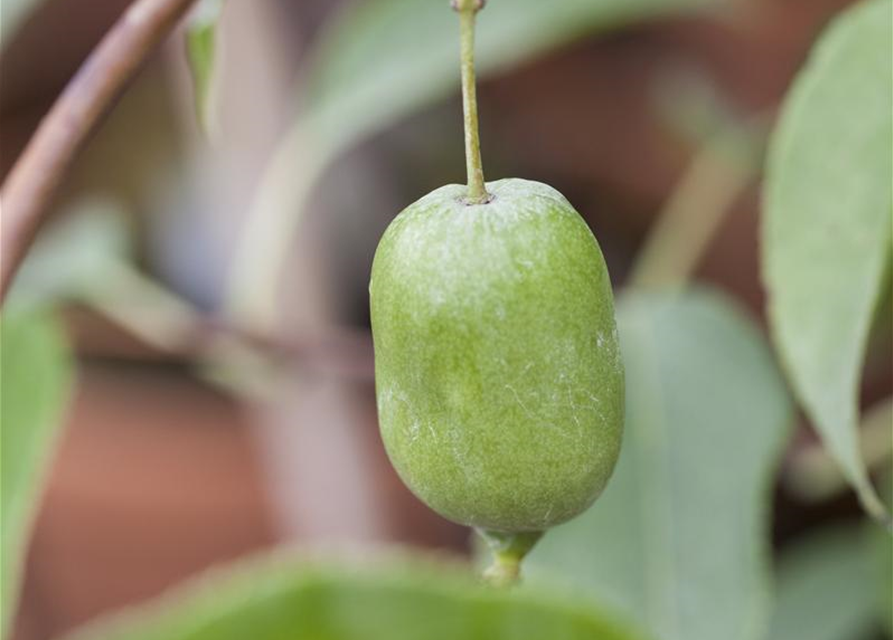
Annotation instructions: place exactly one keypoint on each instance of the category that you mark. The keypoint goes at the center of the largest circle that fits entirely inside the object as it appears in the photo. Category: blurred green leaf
(78, 254)
(385, 58)
(282, 598)
(201, 52)
(826, 588)
(35, 372)
(882, 560)
(679, 539)
(13, 15)
(379, 61)
(827, 225)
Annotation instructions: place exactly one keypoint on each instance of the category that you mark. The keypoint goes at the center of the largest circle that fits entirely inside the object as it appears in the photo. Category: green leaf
(35, 371)
(79, 253)
(385, 58)
(827, 224)
(284, 598)
(882, 560)
(379, 61)
(201, 52)
(679, 540)
(826, 588)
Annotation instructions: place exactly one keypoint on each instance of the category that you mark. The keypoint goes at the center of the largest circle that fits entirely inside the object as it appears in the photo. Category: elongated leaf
(281, 599)
(826, 588)
(679, 538)
(201, 50)
(882, 560)
(385, 58)
(378, 62)
(827, 224)
(34, 375)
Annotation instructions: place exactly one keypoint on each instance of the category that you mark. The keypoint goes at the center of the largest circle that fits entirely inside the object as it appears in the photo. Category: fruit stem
(477, 190)
(509, 549)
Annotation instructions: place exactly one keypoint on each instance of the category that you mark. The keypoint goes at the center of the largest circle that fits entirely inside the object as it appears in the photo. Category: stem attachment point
(509, 549)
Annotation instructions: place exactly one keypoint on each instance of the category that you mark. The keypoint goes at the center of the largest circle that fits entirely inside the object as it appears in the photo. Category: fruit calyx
(508, 549)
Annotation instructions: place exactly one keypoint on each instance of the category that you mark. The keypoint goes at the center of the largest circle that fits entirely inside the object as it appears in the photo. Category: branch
(162, 320)
(687, 224)
(34, 179)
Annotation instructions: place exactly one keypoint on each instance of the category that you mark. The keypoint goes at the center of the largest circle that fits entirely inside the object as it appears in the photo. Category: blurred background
(170, 464)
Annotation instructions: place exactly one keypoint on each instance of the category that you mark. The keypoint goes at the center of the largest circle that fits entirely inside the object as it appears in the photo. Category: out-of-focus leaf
(35, 372)
(827, 225)
(679, 538)
(201, 50)
(882, 560)
(380, 60)
(87, 256)
(281, 599)
(78, 253)
(886, 594)
(13, 15)
(385, 58)
(826, 588)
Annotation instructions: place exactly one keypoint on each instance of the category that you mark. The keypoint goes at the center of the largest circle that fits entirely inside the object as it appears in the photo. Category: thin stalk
(36, 175)
(232, 357)
(477, 190)
(508, 549)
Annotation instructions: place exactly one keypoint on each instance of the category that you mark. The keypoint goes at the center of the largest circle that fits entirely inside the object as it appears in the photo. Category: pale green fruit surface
(498, 371)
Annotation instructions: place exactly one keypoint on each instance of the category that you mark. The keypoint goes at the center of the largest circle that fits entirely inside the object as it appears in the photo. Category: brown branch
(34, 179)
(342, 351)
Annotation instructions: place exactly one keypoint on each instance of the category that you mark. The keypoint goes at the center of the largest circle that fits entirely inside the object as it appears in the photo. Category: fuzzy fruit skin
(498, 371)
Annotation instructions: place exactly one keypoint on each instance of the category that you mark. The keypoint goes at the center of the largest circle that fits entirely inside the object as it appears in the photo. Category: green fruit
(498, 371)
